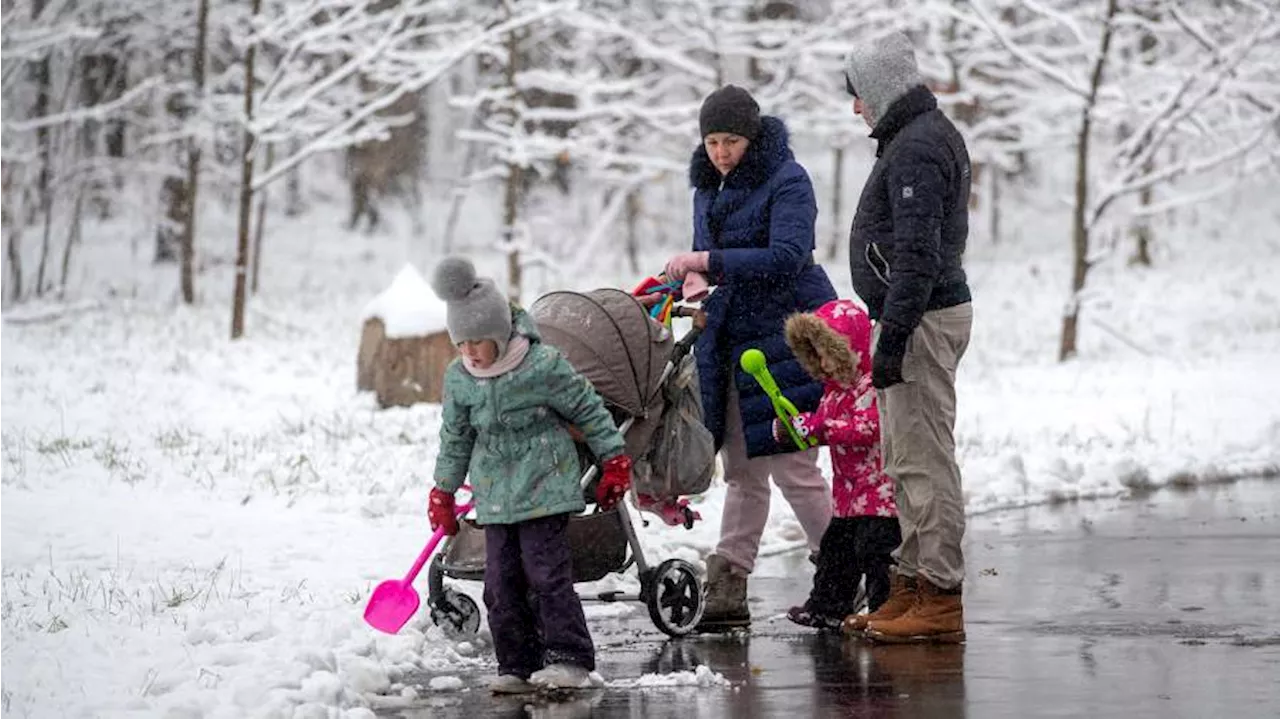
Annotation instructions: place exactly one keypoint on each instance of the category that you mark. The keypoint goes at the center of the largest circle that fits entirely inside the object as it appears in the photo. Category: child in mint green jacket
(509, 401)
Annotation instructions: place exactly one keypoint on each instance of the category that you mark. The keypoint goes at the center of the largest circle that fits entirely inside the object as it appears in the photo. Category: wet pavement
(1164, 606)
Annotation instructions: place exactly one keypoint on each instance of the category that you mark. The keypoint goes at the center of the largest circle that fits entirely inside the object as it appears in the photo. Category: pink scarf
(517, 348)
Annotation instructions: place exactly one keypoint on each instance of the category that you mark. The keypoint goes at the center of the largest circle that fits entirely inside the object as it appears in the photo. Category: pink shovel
(395, 601)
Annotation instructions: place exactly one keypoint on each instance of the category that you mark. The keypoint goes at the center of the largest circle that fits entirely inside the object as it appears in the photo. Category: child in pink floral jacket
(833, 343)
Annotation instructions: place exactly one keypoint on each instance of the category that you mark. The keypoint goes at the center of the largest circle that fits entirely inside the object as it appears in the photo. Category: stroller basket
(598, 543)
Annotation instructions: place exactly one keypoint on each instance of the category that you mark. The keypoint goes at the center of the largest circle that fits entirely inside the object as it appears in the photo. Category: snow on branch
(427, 67)
(1200, 36)
(1026, 57)
(93, 112)
(643, 47)
(1238, 151)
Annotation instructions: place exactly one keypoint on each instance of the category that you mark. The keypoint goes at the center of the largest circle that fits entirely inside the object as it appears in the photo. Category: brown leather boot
(937, 618)
(902, 597)
(726, 602)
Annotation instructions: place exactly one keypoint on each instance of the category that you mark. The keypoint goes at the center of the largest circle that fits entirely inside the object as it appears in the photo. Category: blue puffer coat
(758, 224)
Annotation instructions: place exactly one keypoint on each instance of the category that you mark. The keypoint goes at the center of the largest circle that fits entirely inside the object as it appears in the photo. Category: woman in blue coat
(753, 242)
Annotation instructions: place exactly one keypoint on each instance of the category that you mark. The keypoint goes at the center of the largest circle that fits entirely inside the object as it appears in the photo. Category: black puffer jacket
(912, 222)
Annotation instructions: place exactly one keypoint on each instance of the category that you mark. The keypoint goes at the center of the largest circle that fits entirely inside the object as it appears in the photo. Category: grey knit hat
(730, 109)
(476, 309)
(880, 72)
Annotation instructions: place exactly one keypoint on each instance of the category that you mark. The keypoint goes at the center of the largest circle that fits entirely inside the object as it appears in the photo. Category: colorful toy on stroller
(650, 383)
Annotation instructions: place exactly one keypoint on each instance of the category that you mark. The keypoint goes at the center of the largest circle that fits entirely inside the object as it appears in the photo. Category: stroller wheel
(675, 597)
(457, 615)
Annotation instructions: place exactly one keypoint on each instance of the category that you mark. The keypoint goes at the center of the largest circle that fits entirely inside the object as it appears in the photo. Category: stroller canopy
(609, 338)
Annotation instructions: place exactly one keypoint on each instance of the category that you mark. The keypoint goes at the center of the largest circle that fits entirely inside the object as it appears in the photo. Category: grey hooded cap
(476, 310)
(882, 71)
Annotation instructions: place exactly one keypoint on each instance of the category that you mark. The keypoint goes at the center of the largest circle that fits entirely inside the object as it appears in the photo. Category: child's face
(830, 367)
(480, 354)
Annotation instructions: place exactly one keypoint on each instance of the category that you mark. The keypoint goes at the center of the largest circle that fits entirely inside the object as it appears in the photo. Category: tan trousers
(746, 503)
(917, 438)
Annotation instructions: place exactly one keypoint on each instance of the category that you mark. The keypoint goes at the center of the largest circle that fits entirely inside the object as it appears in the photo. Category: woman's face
(725, 150)
(480, 354)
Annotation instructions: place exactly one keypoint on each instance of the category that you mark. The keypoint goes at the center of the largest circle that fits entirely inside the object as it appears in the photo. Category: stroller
(649, 384)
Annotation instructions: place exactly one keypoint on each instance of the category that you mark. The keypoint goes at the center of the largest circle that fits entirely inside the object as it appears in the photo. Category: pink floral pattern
(848, 421)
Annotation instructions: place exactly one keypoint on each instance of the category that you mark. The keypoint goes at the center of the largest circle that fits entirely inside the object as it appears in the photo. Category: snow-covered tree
(1146, 93)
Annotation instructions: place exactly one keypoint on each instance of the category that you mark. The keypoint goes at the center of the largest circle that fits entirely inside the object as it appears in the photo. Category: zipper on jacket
(866, 253)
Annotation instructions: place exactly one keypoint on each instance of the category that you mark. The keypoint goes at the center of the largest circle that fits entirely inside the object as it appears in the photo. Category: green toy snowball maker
(754, 364)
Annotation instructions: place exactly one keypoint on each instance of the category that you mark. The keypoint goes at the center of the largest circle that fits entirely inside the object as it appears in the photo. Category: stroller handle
(685, 345)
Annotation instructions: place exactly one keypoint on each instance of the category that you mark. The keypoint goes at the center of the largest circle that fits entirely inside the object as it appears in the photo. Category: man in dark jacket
(905, 252)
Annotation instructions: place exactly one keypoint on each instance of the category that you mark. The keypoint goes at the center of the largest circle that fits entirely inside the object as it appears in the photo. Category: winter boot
(809, 615)
(561, 676)
(510, 684)
(726, 603)
(937, 618)
(902, 597)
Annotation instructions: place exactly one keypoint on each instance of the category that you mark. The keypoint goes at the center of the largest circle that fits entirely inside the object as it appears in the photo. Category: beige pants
(917, 423)
(746, 503)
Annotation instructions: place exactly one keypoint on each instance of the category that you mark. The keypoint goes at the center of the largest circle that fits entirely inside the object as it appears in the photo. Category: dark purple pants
(534, 613)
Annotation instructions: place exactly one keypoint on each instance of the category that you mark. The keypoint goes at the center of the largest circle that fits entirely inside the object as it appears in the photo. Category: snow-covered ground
(191, 526)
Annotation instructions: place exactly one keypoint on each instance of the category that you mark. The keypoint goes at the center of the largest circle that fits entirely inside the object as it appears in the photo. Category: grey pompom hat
(881, 71)
(476, 310)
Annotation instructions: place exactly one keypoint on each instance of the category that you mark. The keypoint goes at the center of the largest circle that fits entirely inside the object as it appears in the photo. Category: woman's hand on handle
(685, 262)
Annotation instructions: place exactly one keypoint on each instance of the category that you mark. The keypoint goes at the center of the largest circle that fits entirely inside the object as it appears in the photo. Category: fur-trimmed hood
(763, 157)
(840, 330)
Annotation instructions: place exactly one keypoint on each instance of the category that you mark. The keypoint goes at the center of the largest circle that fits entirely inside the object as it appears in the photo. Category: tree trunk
(73, 239)
(14, 261)
(837, 197)
(173, 192)
(515, 180)
(293, 205)
(246, 192)
(102, 80)
(39, 76)
(510, 213)
(44, 244)
(459, 194)
(261, 222)
(1142, 232)
(188, 248)
(1079, 226)
(996, 176)
(633, 236)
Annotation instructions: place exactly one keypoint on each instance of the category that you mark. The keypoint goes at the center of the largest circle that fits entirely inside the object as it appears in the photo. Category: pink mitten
(696, 287)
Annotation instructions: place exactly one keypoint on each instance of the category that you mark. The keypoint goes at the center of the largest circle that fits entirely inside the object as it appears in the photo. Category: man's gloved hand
(886, 362)
(441, 512)
(686, 262)
(615, 482)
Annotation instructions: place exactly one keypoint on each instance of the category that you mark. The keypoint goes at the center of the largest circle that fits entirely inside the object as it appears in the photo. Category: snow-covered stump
(404, 347)
(411, 369)
(372, 335)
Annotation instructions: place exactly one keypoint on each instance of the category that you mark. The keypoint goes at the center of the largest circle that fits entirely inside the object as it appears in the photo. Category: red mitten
(805, 426)
(615, 482)
(441, 512)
